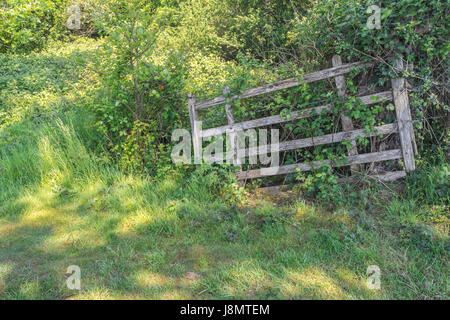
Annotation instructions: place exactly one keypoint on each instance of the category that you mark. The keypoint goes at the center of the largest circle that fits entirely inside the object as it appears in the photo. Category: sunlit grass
(131, 244)
(311, 282)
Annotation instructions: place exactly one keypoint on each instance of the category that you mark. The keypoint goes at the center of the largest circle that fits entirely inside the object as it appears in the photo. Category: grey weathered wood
(381, 96)
(266, 121)
(405, 128)
(232, 134)
(285, 84)
(386, 177)
(409, 85)
(292, 168)
(398, 95)
(274, 189)
(347, 124)
(325, 139)
(196, 130)
(314, 141)
(389, 176)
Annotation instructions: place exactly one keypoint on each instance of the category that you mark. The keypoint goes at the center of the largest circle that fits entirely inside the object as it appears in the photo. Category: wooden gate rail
(285, 84)
(292, 168)
(295, 115)
(309, 142)
(403, 126)
(347, 124)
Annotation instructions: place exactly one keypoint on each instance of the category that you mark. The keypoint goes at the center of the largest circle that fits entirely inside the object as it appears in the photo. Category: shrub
(25, 26)
(142, 101)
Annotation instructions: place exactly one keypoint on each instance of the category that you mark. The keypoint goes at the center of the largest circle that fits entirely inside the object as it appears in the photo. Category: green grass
(136, 237)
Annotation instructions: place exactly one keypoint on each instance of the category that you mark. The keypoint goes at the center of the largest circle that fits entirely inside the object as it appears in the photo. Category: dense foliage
(25, 25)
(154, 54)
(86, 121)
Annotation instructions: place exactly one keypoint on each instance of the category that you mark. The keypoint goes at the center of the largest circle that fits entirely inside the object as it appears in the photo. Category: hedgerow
(158, 52)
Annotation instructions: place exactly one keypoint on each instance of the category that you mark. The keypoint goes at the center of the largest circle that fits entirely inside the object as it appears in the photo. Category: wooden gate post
(347, 124)
(196, 128)
(404, 120)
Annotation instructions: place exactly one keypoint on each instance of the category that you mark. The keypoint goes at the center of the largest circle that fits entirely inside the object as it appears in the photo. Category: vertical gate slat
(347, 124)
(404, 120)
(408, 86)
(195, 125)
(232, 135)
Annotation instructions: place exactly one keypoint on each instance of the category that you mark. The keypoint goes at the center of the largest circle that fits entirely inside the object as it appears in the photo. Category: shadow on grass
(140, 239)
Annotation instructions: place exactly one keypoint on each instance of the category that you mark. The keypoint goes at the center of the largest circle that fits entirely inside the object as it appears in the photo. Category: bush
(214, 181)
(430, 184)
(25, 26)
(142, 102)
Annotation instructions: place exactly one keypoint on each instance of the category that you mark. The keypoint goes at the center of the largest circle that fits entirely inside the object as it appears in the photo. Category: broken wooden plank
(401, 102)
(295, 115)
(285, 84)
(292, 168)
(275, 189)
(385, 177)
(388, 176)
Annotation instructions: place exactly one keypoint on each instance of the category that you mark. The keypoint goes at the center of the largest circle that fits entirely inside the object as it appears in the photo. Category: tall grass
(49, 153)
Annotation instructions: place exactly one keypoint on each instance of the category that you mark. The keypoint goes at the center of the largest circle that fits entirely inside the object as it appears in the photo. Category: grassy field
(135, 237)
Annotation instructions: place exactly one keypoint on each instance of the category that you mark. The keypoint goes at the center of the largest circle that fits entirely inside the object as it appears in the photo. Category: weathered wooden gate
(402, 126)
